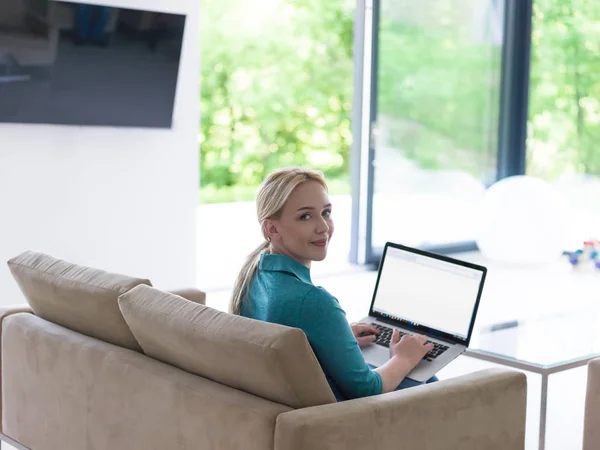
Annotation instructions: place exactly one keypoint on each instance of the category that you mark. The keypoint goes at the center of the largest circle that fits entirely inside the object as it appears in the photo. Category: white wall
(123, 200)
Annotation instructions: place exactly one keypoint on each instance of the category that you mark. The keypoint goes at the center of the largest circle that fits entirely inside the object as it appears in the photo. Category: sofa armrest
(191, 294)
(482, 410)
(591, 424)
(6, 311)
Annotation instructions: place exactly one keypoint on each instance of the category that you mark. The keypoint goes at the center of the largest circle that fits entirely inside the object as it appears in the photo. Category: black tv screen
(80, 64)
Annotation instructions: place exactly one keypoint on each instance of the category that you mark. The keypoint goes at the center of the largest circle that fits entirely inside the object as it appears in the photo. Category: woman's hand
(411, 348)
(364, 333)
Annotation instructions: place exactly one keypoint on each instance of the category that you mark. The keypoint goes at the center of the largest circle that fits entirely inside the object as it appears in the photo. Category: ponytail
(240, 288)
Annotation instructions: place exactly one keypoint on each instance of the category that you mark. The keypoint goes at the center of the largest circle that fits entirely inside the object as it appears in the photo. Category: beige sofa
(100, 361)
(591, 427)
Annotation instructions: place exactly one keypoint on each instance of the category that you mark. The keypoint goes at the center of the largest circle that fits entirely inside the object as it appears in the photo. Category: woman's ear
(271, 230)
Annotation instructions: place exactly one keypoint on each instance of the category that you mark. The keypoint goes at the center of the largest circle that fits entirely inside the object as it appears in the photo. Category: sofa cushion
(265, 359)
(79, 298)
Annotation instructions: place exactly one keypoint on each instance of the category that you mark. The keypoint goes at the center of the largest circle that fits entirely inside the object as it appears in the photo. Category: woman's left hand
(364, 333)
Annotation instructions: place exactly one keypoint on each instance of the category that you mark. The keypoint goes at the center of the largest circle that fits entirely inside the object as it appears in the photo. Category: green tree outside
(277, 90)
(439, 87)
(564, 99)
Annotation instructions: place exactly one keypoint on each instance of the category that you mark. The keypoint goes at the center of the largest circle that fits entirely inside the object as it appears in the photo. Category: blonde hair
(270, 200)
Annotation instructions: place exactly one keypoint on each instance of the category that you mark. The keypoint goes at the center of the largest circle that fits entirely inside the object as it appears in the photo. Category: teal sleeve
(330, 336)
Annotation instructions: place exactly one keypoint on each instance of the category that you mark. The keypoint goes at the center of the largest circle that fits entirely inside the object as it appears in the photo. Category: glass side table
(548, 344)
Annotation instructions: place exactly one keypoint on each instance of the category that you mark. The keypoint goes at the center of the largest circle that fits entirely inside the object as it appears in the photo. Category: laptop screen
(426, 291)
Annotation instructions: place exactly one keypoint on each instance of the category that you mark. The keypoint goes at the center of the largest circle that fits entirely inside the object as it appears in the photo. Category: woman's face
(305, 227)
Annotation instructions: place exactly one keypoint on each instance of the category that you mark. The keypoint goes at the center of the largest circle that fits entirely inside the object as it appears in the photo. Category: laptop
(420, 292)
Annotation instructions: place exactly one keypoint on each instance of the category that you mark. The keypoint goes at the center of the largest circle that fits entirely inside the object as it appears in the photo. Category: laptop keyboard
(385, 336)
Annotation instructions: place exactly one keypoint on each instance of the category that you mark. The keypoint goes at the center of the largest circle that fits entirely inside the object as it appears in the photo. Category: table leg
(543, 410)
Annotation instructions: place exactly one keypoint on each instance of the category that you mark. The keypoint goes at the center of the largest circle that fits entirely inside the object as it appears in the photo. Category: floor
(525, 294)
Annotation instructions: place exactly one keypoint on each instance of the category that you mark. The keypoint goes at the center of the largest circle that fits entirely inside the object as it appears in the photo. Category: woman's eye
(305, 217)
(327, 213)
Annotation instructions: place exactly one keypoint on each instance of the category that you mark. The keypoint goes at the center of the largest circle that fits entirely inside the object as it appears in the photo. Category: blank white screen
(427, 291)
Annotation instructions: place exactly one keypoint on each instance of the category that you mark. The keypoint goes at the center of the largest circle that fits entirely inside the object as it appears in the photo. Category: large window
(564, 109)
(276, 91)
(464, 93)
(449, 96)
(438, 100)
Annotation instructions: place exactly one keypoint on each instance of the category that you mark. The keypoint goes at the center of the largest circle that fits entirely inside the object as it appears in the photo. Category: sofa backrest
(271, 361)
(80, 298)
(63, 390)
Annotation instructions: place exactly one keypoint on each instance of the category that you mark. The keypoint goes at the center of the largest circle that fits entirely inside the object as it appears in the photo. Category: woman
(274, 285)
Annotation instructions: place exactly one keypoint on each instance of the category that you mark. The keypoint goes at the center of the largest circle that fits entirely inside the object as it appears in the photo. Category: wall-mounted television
(73, 63)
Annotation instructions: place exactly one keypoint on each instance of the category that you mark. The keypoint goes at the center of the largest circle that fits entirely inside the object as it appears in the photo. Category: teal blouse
(282, 292)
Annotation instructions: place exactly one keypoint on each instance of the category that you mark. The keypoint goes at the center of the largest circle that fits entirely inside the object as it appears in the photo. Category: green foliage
(439, 89)
(241, 193)
(276, 89)
(564, 106)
